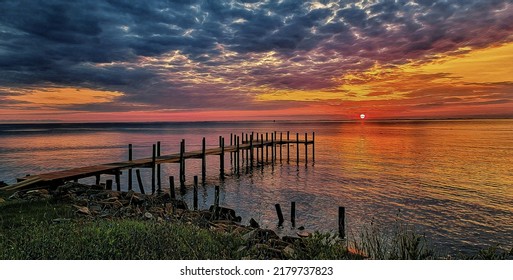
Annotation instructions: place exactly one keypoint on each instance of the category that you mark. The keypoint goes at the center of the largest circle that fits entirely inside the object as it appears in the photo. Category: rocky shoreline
(94, 202)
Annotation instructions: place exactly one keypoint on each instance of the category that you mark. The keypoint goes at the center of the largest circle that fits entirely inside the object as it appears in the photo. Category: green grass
(28, 231)
(48, 229)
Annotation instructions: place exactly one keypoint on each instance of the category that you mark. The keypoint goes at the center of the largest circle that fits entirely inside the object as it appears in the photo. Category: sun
(362, 116)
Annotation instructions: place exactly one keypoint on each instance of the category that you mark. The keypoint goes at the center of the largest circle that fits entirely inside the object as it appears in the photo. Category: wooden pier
(250, 147)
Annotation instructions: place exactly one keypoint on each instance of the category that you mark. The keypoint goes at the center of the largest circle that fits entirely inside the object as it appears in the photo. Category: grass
(48, 229)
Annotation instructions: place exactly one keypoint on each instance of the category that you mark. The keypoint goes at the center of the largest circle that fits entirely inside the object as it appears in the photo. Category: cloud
(221, 54)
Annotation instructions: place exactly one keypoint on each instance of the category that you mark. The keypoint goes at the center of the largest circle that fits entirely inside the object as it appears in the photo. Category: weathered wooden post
(341, 222)
(262, 150)
(247, 150)
(130, 170)
(279, 213)
(118, 180)
(182, 165)
(266, 147)
(288, 146)
(242, 152)
(313, 146)
(108, 185)
(195, 194)
(203, 161)
(231, 144)
(172, 193)
(97, 179)
(221, 157)
(293, 213)
(272, 148)
(251, 149)
(297, 148)
(153, 169)
(238, 154)
(274, 145)
(281, 144)
(306, 148)
(159, 182)
(257, 151)
(139, 181)
(216, 197)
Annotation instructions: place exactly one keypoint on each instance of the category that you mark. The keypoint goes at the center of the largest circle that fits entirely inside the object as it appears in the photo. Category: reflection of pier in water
(255, 149)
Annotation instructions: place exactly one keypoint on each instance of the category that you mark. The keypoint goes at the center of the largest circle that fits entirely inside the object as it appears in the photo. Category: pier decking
(252, 146)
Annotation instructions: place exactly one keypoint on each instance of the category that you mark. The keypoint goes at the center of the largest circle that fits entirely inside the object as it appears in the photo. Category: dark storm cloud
(99, 43)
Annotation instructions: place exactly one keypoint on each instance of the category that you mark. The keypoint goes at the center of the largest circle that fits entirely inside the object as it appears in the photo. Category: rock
(253, 223)
(3, 184)
(303, 233)
(82, 210)
(15, 195)
(179, 204)
(115, 194)
(43, 191)
(95, 209)
(223, 213)
(301, 228)
(2, 200)
(148, 216)
(290, 239)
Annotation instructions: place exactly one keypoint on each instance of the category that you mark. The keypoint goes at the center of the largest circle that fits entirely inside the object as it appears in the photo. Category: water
(451, 180)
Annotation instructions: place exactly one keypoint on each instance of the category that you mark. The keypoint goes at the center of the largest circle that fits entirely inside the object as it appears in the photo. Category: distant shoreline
(258, 121)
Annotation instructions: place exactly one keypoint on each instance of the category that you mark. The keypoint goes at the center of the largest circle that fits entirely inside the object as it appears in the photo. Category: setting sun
(362, 116)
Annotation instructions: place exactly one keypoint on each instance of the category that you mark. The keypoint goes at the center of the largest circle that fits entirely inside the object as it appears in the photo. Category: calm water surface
(452, 180)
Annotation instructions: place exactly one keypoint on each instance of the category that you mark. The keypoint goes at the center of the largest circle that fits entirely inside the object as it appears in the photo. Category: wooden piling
(257, 152)
(297, 148)
(216, 197)
(195, 194)
(231, 153)
(243, 151)
(139, 181)
(251, 149)
(118, 180)
(281, 144)
(97, 179)
(153, 168)
(130, 170)
(288, 146)
(293, 213)
(172, 193)
(221, 157)
(341, 222)
(279, 213)
(108, 185)
(159, 182)
(272, 148)
(306, 148)
(247, 150)
(203, 161)
(266, 147)
(262, 150)
(182, 164)
(313, 146)
(238, 154)
(274, 145)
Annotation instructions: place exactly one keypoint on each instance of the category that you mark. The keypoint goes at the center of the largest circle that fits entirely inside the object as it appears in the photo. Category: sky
(114, 60)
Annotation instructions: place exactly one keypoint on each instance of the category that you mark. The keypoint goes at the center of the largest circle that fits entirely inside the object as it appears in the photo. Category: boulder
(253, 223)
